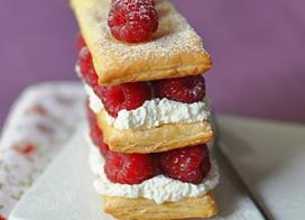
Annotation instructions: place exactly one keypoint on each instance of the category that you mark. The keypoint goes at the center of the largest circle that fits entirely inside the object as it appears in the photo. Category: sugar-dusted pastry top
(175, 51)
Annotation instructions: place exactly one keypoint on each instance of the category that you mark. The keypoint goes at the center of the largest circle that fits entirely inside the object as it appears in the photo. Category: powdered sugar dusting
(174, 35)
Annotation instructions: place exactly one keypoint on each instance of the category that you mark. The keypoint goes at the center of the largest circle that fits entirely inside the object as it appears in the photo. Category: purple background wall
(258, 50)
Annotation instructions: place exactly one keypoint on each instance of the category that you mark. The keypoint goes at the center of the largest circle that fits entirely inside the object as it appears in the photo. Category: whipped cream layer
(95, 102)
(159, 188)
(153, 113)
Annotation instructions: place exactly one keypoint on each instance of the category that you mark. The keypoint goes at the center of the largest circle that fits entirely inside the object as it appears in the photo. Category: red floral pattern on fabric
(45, 128)
(38, 109)
(24, 149)
(64, 100)
(40, 122)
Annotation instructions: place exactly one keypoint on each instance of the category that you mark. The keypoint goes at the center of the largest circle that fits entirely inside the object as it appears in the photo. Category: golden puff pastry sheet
(175, 51)
(163, 138)
(144, 209)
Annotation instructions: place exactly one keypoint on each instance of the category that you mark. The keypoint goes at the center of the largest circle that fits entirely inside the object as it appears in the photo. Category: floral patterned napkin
(41, 121)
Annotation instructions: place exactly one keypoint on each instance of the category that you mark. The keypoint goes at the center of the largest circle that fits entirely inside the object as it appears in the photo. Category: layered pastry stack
(142, 65)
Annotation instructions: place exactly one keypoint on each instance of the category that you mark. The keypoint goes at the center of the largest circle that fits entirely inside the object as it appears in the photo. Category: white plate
(65, 191)
(269, 156)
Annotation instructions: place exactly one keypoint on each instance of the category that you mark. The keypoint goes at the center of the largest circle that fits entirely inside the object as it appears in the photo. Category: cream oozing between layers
(153, 113)
(159, 188)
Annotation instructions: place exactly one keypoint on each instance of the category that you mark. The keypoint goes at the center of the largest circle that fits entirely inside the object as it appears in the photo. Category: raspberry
(133, 21)
(96, 133)
(86, 67)
(125, 96)
(129, 168)
(188, 89)
(189, 164)
(80, 42)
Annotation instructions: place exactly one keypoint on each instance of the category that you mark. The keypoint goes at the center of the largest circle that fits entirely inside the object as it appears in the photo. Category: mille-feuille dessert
(149, 119)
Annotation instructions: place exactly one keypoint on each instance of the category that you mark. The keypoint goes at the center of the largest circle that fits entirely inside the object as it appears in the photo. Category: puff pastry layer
(164, 138)
(143, 209)
(175, 51)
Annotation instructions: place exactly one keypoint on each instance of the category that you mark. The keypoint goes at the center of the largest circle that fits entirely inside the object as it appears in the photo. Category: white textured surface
(269, 156)
(65, 191)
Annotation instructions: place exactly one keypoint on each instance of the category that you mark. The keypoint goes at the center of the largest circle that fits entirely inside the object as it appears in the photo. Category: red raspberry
(86, 67)
(190, 164)
(80, 42)
(188, 89)
(125, 96)
(96, 133)
(133, 21)
(129, 168)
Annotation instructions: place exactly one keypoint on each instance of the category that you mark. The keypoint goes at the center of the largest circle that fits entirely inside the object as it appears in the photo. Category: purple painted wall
(258, 50)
